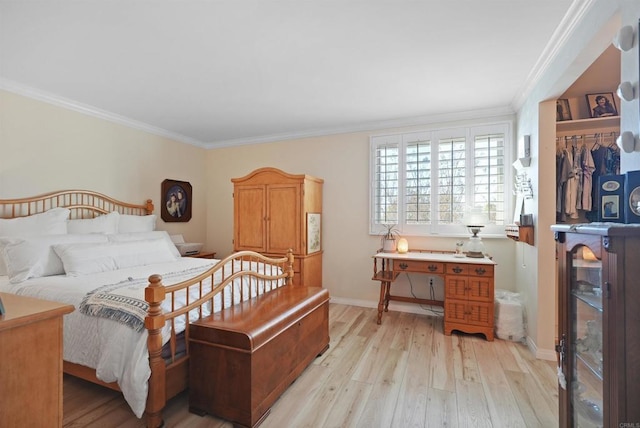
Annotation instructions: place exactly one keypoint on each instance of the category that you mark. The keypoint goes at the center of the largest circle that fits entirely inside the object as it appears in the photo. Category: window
(425, 182)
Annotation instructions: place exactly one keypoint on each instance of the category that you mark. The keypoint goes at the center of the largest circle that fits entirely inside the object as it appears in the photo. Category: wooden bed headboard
(82, 203)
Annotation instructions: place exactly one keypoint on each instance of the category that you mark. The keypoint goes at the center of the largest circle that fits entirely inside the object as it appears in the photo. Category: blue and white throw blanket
(121, 301)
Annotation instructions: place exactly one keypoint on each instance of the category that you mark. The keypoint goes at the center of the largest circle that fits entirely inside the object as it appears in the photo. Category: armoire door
(283, 218)
(250, 218)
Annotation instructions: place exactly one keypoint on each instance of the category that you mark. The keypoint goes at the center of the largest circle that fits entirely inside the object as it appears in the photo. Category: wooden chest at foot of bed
(244, 357)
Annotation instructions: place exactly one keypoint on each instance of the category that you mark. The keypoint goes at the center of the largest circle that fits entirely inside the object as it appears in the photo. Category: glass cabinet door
(585, 386)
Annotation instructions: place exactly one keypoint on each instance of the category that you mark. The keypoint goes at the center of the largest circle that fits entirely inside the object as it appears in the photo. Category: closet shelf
(592, 123)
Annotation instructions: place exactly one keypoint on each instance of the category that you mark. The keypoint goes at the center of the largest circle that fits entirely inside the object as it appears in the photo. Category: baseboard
(541, 354)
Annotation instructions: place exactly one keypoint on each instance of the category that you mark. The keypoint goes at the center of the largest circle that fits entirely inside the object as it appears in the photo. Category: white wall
(45, 148)
(343, 162)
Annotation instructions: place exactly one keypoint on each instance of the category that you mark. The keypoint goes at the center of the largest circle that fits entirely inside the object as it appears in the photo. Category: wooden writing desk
(468, 287)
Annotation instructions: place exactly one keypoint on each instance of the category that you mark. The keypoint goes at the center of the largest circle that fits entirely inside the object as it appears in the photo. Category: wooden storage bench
(244, 357)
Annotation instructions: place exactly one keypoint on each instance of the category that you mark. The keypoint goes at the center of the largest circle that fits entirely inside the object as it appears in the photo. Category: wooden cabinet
(271, 216)
(31, 362)
(598, 324)
(469, 301)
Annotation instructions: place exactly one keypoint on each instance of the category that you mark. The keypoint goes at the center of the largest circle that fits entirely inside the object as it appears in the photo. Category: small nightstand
(31, 363)
(204, 255)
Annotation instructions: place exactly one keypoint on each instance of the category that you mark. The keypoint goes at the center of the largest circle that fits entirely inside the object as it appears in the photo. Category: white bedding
(117, 352)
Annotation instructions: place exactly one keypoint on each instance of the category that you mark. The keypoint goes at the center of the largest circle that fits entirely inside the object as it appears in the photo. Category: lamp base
(475, 248)
(475, 254)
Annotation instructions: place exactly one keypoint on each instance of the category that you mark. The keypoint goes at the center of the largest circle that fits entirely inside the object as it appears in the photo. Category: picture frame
(602, 104)
(610, 207)
(176, 201)
(563, 111)
(611, 198)
(314, 232)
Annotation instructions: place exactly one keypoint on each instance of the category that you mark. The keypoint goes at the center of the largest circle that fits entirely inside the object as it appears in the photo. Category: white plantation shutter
(451, 180)
(425, 182)
(489, 176)
(417, 181)
(386, 181)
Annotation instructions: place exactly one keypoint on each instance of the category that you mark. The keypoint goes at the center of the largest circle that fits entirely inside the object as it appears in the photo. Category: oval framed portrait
(634, 201)
(176, 201)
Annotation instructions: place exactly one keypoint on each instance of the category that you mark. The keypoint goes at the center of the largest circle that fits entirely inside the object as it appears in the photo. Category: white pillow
(136, 223)
(107, 223)
(140, 236)
(33, 257)
(85, 259)
(51, 222)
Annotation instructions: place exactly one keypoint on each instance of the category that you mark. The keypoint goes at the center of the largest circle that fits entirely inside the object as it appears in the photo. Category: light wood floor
(403, 373)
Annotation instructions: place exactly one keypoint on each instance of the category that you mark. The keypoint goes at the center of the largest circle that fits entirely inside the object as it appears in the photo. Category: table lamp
(475, 220)
(403, 245)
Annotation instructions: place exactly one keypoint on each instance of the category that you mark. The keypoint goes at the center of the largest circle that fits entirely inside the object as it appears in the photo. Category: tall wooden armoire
(275, 211)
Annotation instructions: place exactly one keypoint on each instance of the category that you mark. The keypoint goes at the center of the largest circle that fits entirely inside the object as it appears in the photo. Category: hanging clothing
(571, 193)
(564, 172)
(578, 170)
(588, 166)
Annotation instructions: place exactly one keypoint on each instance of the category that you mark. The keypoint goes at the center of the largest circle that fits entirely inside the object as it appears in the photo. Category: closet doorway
(585, 141)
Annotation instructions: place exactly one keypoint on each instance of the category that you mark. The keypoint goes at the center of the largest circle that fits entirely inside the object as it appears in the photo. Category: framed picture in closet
(611, 196)
(602, 104)
(563, 111)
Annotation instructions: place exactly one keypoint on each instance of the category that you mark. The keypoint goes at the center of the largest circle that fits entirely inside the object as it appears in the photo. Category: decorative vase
(388, 245)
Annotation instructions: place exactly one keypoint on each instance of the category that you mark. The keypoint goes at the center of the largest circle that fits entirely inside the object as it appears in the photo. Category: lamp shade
(403, 246)
(475, 217)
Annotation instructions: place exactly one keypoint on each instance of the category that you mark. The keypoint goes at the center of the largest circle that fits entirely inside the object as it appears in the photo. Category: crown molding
(575, 14)
(367, 127)
(26, 91)
(56, 100)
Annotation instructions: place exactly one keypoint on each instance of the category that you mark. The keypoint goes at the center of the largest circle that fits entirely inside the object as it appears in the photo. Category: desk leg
(381, 302)
(387, 295)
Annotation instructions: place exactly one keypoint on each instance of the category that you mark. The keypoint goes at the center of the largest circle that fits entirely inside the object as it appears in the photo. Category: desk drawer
(457, 269)
(481, 270)
(469, 269)
(418, 266)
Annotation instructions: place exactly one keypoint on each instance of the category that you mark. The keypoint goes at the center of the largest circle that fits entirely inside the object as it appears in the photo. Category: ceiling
(217, 73)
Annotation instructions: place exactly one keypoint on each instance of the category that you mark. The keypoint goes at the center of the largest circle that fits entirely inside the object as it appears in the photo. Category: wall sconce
(626, 91)
(624, 39)
(403, 246)
(521, 163)
(626, 141)
(525, 161)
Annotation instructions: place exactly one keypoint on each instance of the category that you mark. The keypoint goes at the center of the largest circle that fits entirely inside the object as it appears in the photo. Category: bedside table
(204, 255)
(31, 363)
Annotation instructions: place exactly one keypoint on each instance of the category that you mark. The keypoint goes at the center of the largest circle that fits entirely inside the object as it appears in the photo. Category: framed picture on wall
(176, 201)
(602, 104)
(313, 233)
(563, 112)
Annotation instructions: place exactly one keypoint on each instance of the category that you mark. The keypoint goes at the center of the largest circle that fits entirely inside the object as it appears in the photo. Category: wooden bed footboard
(236, 278)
